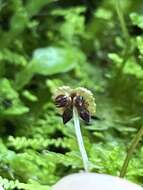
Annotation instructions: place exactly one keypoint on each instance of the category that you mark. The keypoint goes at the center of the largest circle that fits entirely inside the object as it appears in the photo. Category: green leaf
(29, 96)
(53, 60)
(73, 25)
(10, 104)
(20, 19)
(137, 19)
(103, 14)
(140, 44)
(12, 57)
(115, 58)
(49, 61)
(132, 68)
(33, 8)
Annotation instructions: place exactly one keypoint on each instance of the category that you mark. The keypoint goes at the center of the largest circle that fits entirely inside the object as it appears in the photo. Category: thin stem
(80, 139)
(132, 147)
(128, 48)
(122, 20)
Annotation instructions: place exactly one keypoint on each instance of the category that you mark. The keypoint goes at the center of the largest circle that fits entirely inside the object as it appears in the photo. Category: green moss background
(49, 43)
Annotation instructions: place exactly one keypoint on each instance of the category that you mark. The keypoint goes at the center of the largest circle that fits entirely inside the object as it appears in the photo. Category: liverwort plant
(76, 103)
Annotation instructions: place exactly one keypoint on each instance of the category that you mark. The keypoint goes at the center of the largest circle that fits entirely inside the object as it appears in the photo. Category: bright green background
(49, 43)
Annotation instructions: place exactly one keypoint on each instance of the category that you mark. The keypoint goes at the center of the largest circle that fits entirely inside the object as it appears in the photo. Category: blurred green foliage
(48, 43)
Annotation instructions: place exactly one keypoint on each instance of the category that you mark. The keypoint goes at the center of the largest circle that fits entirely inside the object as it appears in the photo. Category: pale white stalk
(80, 140)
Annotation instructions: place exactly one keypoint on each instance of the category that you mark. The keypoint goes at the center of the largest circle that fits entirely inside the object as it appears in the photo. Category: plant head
(82, 99)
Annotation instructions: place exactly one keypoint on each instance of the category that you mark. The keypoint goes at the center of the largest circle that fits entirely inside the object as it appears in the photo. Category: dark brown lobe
(67, 103)
(61, 101)
(67, 114)
(85, 115)
(78, 101)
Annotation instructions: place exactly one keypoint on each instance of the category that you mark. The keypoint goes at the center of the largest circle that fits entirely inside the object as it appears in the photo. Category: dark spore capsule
(61, 101)
(85, 115)
(78, 101)
(67, 114)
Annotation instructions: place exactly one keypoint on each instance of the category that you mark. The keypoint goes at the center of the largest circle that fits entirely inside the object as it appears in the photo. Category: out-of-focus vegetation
(48, 43)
